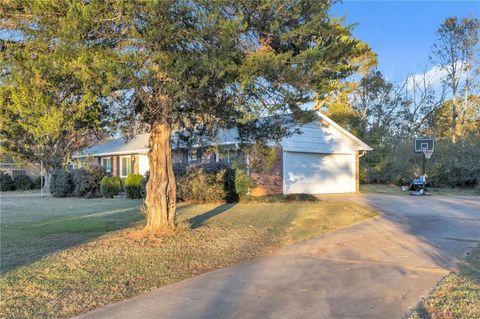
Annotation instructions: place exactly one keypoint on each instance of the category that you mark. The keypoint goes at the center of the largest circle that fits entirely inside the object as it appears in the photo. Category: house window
(125, 166)
(229, 156)
(107, 164)
(192, 156)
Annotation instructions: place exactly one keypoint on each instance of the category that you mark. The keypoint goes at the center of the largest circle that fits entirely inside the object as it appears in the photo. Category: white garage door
(312, 173)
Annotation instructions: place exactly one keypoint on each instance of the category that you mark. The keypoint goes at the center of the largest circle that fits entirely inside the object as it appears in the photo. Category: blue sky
(402, 32)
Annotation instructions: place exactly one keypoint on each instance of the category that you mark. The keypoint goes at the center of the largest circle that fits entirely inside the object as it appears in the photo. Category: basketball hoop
(427, 153)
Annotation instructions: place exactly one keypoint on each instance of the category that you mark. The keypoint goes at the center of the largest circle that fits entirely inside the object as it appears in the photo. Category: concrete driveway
(375, 269)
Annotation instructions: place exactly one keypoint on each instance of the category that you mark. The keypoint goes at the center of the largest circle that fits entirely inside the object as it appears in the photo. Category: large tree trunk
(161, 193)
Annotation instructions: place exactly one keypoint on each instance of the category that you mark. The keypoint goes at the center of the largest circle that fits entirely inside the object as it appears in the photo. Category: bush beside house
(37, 182)
(209, 182)
(23, 183)
(243, 183)
(110, 186)
(61, 184)
(20, 182)
(87, 182)
(6, 183)
(133, 186)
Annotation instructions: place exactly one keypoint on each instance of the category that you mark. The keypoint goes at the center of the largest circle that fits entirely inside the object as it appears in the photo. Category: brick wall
(270, 181)
(136, 164)
(115, 166)
(177, 156)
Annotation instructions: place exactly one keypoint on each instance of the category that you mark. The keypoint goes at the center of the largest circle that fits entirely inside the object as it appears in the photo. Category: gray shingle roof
(118, 146)
(139, 145)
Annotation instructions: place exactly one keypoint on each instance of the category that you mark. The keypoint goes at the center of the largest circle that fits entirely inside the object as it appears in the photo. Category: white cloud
(433, 77)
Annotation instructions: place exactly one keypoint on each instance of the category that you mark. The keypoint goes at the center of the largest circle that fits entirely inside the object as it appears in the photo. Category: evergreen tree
(50, 86)
(196, 66)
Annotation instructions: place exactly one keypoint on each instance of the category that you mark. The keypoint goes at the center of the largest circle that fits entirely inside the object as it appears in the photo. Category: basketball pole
(424, 164)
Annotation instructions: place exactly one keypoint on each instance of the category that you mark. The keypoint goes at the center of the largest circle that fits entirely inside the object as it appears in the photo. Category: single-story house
(324, 158)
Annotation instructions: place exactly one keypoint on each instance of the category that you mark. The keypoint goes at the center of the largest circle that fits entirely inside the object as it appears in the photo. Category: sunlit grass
(84, 264)
(457, 295)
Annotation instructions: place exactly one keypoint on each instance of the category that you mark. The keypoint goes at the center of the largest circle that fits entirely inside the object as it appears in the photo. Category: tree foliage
(388, 115)
(193, 66)
(456, 52)
(51, 84)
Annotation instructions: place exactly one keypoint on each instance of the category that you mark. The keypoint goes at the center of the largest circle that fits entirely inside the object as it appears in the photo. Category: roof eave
(362, 145)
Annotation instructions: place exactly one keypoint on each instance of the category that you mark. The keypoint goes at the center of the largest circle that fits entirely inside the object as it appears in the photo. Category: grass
(33, 227)
(391, 189)
(81, 261)
(457, 295)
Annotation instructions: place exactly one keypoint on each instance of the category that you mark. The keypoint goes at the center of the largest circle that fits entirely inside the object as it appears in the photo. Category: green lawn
(61, 264)
(457, 295)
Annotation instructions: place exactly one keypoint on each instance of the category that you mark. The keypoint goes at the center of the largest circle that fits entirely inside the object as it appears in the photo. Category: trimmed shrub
(37, 182)
(22, 182)
(61, 184)
(87, 182)
(6, 182)
(243, 182)
(110, 186)
(133, 186)
(211, 182)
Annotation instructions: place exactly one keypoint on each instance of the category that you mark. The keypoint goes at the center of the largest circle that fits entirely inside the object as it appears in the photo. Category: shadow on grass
(198, 220)
(23, 244)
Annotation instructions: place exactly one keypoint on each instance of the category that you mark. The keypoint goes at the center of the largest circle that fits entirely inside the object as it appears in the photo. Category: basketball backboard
(423, 144)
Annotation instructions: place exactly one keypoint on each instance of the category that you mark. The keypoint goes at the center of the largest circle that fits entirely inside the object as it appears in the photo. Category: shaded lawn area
(32, 226)
(100, 265)
(457, 295)
(392, 189)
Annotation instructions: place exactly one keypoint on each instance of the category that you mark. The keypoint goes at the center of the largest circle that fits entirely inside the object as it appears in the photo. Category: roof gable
(333, 141)
(362, 145)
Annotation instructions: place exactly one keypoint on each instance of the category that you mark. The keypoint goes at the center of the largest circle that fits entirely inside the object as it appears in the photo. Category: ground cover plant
(95, 259)
(457, 295)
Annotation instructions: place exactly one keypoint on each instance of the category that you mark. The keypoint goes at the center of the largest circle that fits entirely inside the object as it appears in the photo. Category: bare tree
(454, 53)
(422, 100)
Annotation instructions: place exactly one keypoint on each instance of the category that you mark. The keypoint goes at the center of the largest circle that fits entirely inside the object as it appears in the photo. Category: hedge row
(20, 182)
(78, 183)
(211, 182)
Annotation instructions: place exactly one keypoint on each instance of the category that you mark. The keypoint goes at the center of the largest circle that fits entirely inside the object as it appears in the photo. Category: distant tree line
(389, 115)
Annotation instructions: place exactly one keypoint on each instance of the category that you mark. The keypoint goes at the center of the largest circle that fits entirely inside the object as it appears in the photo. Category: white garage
(313, 173)
(323, 159)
